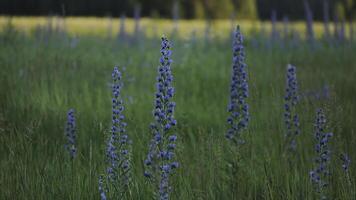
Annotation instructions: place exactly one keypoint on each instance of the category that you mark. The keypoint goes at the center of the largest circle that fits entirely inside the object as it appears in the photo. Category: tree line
(188, 9)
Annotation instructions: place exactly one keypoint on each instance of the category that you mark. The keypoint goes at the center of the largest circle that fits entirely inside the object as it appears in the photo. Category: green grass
(40, 81)
(99, 26)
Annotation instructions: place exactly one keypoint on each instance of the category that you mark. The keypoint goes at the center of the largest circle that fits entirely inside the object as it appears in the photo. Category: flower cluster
(159, 164)
(319, 175)
(118, 143)
(238, 107)
(70, 132)
(291, 99)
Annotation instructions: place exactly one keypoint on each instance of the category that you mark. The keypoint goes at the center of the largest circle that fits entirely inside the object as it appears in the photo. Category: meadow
(45, 73)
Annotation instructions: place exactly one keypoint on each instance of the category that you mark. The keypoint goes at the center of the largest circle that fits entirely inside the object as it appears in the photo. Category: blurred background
(185, 18)
(187, 9)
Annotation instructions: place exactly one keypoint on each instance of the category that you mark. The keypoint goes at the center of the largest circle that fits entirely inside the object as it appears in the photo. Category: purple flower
(238, 107)
(172, 138)
(147, 174)
(174, 165)
(320, 174)
(70, 132)
(158, 162)
(118, 144)
(291, 99)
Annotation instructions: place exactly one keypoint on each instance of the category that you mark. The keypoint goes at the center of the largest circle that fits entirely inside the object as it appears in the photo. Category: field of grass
(40, 80)
(95, 26)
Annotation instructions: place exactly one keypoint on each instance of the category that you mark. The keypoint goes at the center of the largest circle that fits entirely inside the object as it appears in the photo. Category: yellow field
(152, 27)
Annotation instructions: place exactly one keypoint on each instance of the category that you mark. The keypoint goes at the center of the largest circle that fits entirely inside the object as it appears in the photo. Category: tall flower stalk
(291, 99)
(238, 107)
(238, 110)
(321, 173)
(346, 161)
(115, 184)
(70, 146)
(159, 161)
(70, 132)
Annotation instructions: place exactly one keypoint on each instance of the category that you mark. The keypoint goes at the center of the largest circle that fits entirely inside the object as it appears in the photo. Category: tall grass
(40, 81)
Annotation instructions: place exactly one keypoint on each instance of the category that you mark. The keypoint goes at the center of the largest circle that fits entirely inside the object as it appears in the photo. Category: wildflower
(70, 132)
(159, 164)
(320, 174)
(111, 157)
(118, 143)
(238, 107)
(291, 99)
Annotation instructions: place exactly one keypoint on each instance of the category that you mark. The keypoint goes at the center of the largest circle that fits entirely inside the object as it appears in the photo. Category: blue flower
(174, 165)
(147, 174)
(111, 156)
(159, 164)
(70, 132)
(172, 138)
(118, 143)
(291, 99)
(320, 174)
(238, 107)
